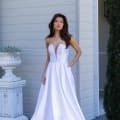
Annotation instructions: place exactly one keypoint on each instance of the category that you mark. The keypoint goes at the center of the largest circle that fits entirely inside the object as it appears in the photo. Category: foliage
(10, 49)
(112, 87)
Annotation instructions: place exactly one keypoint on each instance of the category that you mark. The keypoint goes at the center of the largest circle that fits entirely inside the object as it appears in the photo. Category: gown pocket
(69, 67)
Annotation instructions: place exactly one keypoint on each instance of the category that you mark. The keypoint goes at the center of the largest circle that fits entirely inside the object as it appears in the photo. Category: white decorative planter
(9, 61)
(11, 98)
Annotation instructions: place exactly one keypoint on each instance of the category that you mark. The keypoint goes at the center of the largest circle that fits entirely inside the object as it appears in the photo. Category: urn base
(16, 118)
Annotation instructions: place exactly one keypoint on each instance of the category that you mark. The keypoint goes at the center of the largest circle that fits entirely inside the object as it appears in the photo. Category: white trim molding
(88, 63)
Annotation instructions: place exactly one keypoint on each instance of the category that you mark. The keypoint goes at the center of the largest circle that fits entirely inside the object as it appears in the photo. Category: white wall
(24, 24)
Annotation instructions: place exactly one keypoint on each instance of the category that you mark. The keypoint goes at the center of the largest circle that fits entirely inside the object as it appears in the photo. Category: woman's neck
(57, 35)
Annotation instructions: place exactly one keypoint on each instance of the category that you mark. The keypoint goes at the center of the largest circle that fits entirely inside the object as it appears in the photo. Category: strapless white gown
(57, 99)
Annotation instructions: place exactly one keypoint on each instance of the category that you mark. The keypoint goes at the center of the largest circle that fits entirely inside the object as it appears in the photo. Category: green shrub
(9, 49)
(112, 87)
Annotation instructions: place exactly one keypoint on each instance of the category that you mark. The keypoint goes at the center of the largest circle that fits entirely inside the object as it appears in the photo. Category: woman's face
(58, 23)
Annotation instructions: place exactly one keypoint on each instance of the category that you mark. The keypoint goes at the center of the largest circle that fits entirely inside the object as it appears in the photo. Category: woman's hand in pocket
(69, 65)
(43, 79)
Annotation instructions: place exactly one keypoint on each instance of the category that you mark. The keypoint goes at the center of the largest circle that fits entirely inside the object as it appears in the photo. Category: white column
(96, 57)
(88, 63)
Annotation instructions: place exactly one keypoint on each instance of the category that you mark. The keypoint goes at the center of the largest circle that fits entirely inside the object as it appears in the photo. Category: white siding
(24, 24)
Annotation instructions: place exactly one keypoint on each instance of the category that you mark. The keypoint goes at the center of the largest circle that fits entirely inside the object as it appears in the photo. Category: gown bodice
(60, 54)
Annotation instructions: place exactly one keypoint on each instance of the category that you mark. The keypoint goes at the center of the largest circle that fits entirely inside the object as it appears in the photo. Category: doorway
(103, 40)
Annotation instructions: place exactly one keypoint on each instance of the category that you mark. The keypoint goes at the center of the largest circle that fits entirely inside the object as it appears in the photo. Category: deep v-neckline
(56, 48)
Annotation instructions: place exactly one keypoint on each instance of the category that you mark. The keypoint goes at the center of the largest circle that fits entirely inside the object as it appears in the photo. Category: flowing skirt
(57, 99)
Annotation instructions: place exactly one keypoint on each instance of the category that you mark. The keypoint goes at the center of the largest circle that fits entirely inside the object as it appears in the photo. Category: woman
(57, 98)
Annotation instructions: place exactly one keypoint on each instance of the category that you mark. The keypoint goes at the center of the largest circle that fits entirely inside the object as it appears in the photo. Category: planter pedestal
(18, 118)
(11, 101)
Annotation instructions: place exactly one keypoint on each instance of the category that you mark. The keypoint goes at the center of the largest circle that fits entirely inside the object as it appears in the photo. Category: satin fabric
(57, 99)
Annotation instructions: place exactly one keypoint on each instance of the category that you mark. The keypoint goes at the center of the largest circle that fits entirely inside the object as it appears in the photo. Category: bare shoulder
(47, 41)
(74, 44)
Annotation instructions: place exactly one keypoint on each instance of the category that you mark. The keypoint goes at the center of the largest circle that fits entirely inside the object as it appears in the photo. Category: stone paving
(100, 118)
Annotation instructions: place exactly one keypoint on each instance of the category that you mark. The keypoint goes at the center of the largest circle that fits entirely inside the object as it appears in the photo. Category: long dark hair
(64, 33)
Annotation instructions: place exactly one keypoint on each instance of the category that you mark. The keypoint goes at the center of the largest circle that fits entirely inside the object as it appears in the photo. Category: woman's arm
(76, 47)
(46, 63)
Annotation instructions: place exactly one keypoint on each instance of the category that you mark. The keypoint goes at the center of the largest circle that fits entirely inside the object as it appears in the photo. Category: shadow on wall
(1, 72)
